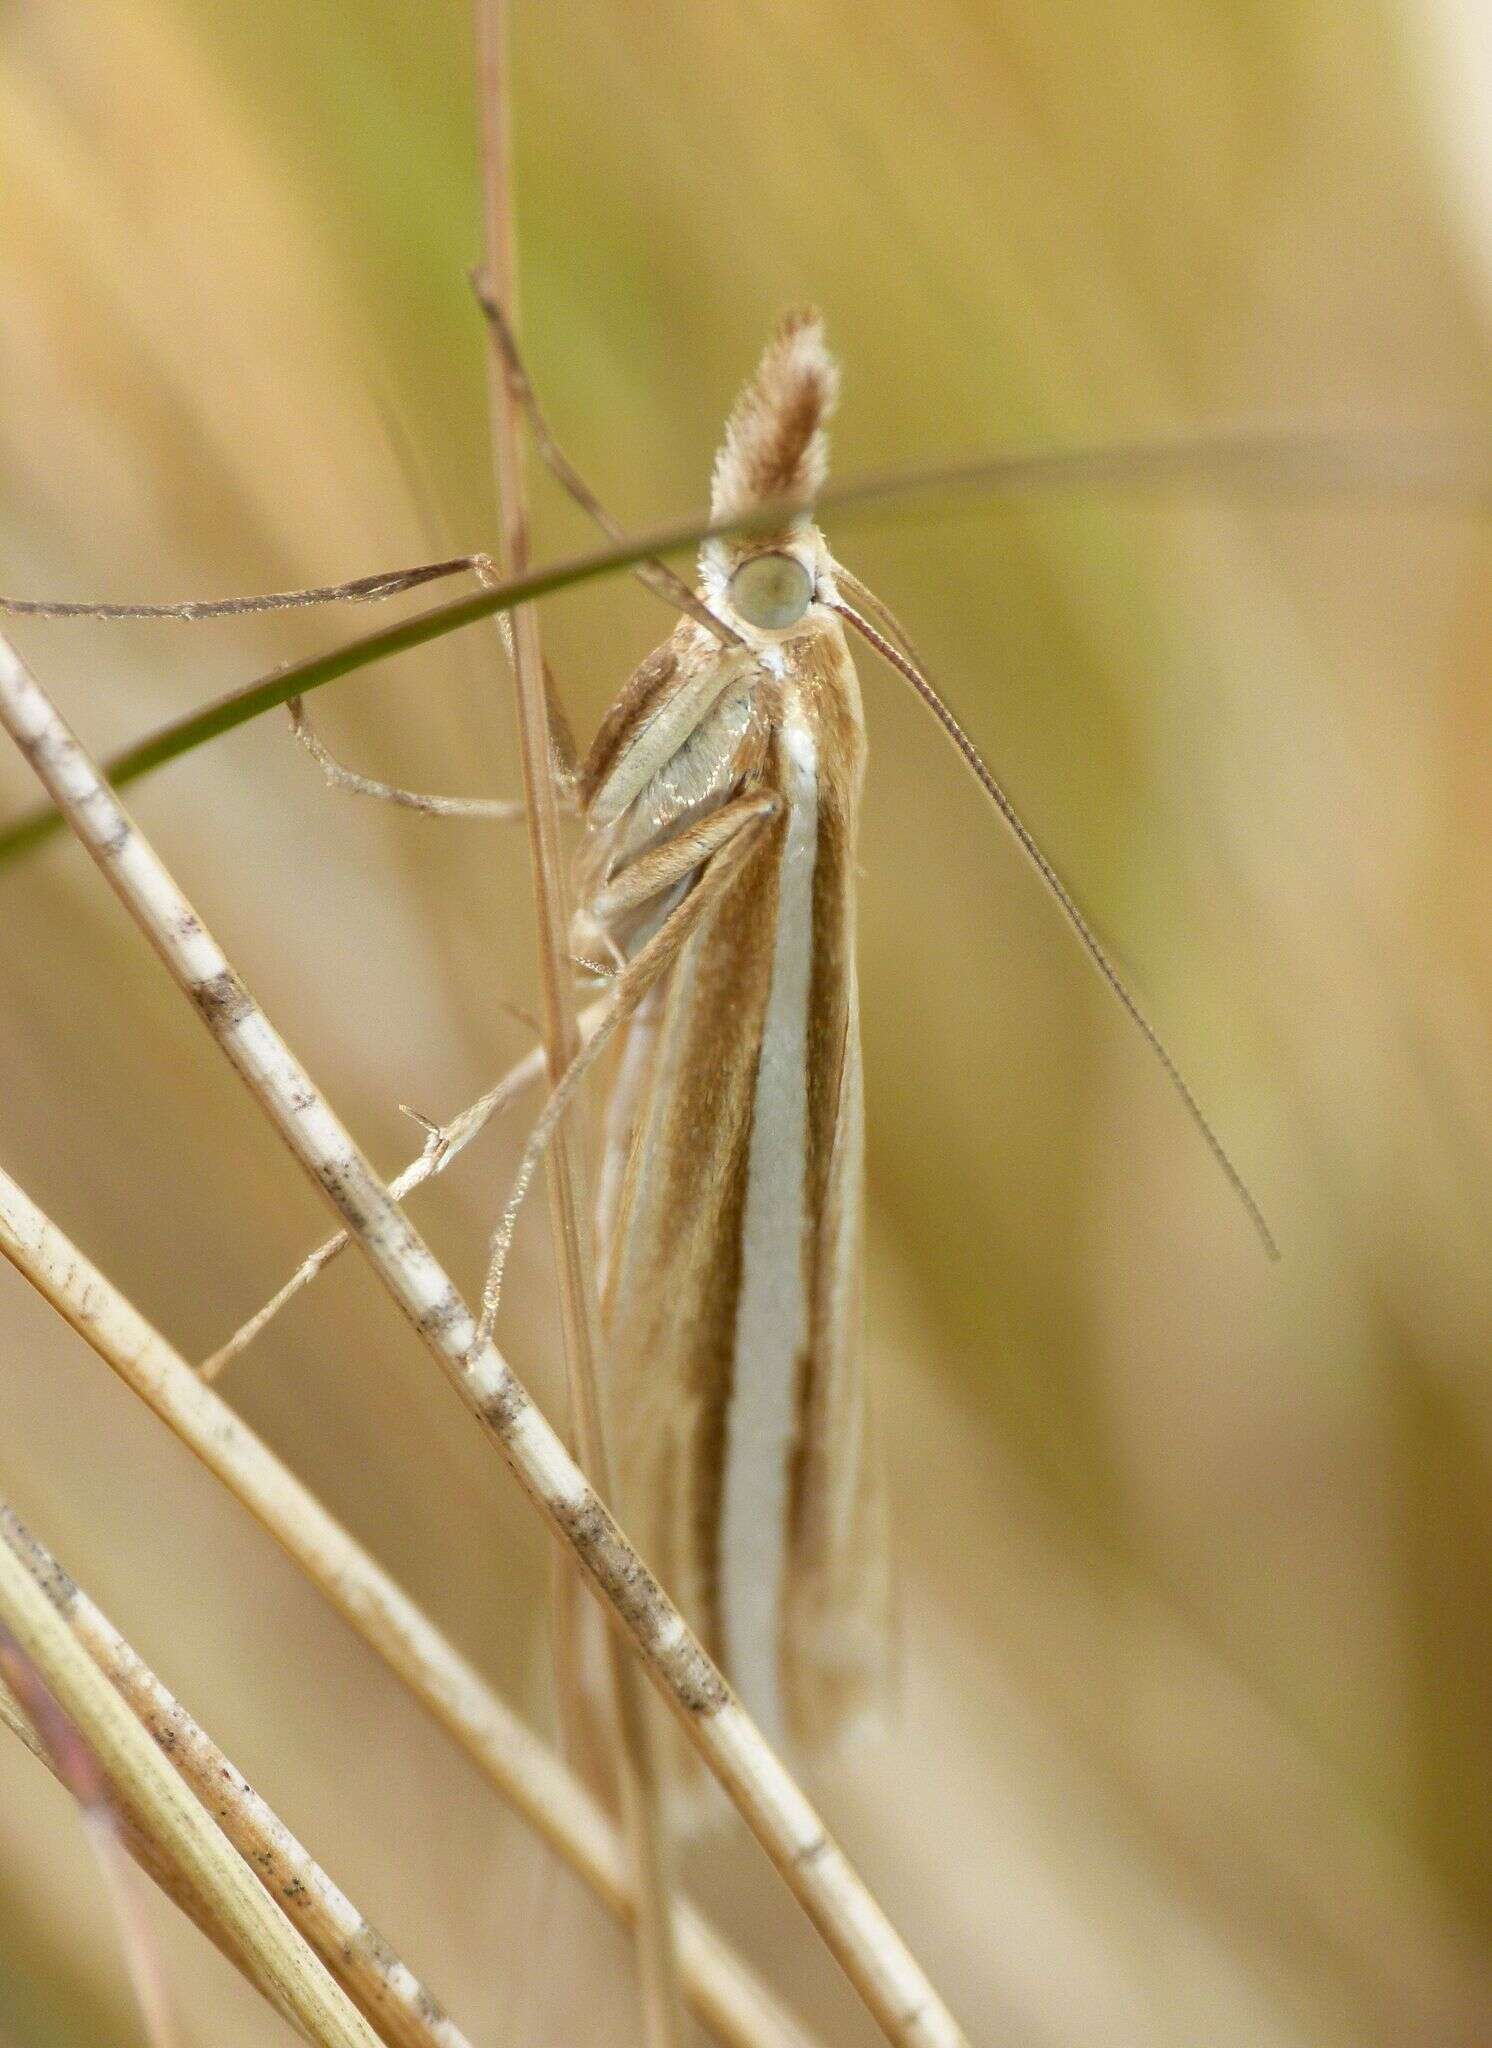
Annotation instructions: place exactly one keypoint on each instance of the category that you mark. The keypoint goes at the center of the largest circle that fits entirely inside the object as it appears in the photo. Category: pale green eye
(771, 591)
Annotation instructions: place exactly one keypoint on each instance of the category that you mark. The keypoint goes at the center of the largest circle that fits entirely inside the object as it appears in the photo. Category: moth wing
(836, 1624)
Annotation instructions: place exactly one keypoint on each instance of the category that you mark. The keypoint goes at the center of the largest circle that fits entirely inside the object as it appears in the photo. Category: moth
(720, 806)
(730, 1195)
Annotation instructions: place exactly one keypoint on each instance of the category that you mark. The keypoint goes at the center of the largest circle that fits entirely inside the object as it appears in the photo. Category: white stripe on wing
(772, 1307)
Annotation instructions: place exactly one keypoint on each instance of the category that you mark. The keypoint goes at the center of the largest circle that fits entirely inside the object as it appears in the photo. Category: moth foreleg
(504, 810)
(732, 833)
(654, 873)
(361, 590)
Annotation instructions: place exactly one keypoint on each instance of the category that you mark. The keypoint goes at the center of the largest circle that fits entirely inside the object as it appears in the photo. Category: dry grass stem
(569, 1195)
(855, 1928)
(369, 1971)
(523, 1770)
(57, 1742)
(152, 1860)
(161, 1805)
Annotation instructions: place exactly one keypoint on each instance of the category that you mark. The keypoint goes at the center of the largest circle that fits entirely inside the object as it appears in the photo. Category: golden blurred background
(1194, 1553)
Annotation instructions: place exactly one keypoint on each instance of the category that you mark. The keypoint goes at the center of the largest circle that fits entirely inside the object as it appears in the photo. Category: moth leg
(645, 880)
(734, 832)
(502, 809)
(361, 590)
(442, 1143)
(653, 873)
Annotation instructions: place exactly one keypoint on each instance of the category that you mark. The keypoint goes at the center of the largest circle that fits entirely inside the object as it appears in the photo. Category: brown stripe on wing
(634, 702)
(674, 1273)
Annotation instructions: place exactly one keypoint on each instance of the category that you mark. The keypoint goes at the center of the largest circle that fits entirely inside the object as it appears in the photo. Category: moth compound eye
(771, 591)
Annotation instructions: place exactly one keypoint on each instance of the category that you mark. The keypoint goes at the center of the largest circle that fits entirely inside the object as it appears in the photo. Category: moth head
(775, 449)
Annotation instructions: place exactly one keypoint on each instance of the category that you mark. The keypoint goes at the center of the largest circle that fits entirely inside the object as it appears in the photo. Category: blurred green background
(1195, 1554)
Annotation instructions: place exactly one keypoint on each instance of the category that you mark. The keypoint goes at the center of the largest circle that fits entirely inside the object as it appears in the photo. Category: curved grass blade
(1449, 469)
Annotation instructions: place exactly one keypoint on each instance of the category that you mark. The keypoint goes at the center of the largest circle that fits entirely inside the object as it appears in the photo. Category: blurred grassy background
(1195, 1555)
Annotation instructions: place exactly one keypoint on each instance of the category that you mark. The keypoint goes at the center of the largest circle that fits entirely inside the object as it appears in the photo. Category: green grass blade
(1447, 469)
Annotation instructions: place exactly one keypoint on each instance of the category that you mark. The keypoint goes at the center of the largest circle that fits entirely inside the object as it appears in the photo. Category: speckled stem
(160, 1804)
(151, 1859)
(355, 1953)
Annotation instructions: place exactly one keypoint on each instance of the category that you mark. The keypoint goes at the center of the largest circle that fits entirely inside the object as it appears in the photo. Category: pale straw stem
(163, 1807)
(570, 1206)
(369, 1971)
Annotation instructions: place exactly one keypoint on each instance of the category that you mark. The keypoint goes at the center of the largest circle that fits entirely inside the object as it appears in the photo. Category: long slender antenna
(879, 612)
(1091, 944)
(655, 573)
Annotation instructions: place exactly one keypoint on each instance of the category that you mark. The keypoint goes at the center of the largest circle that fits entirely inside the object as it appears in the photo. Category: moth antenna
(654, 573)
(775, 445)
(1092, 945)
(879, 612)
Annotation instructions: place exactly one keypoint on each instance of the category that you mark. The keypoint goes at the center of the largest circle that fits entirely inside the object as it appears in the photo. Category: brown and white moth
(721, 809)
(731, 1188)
